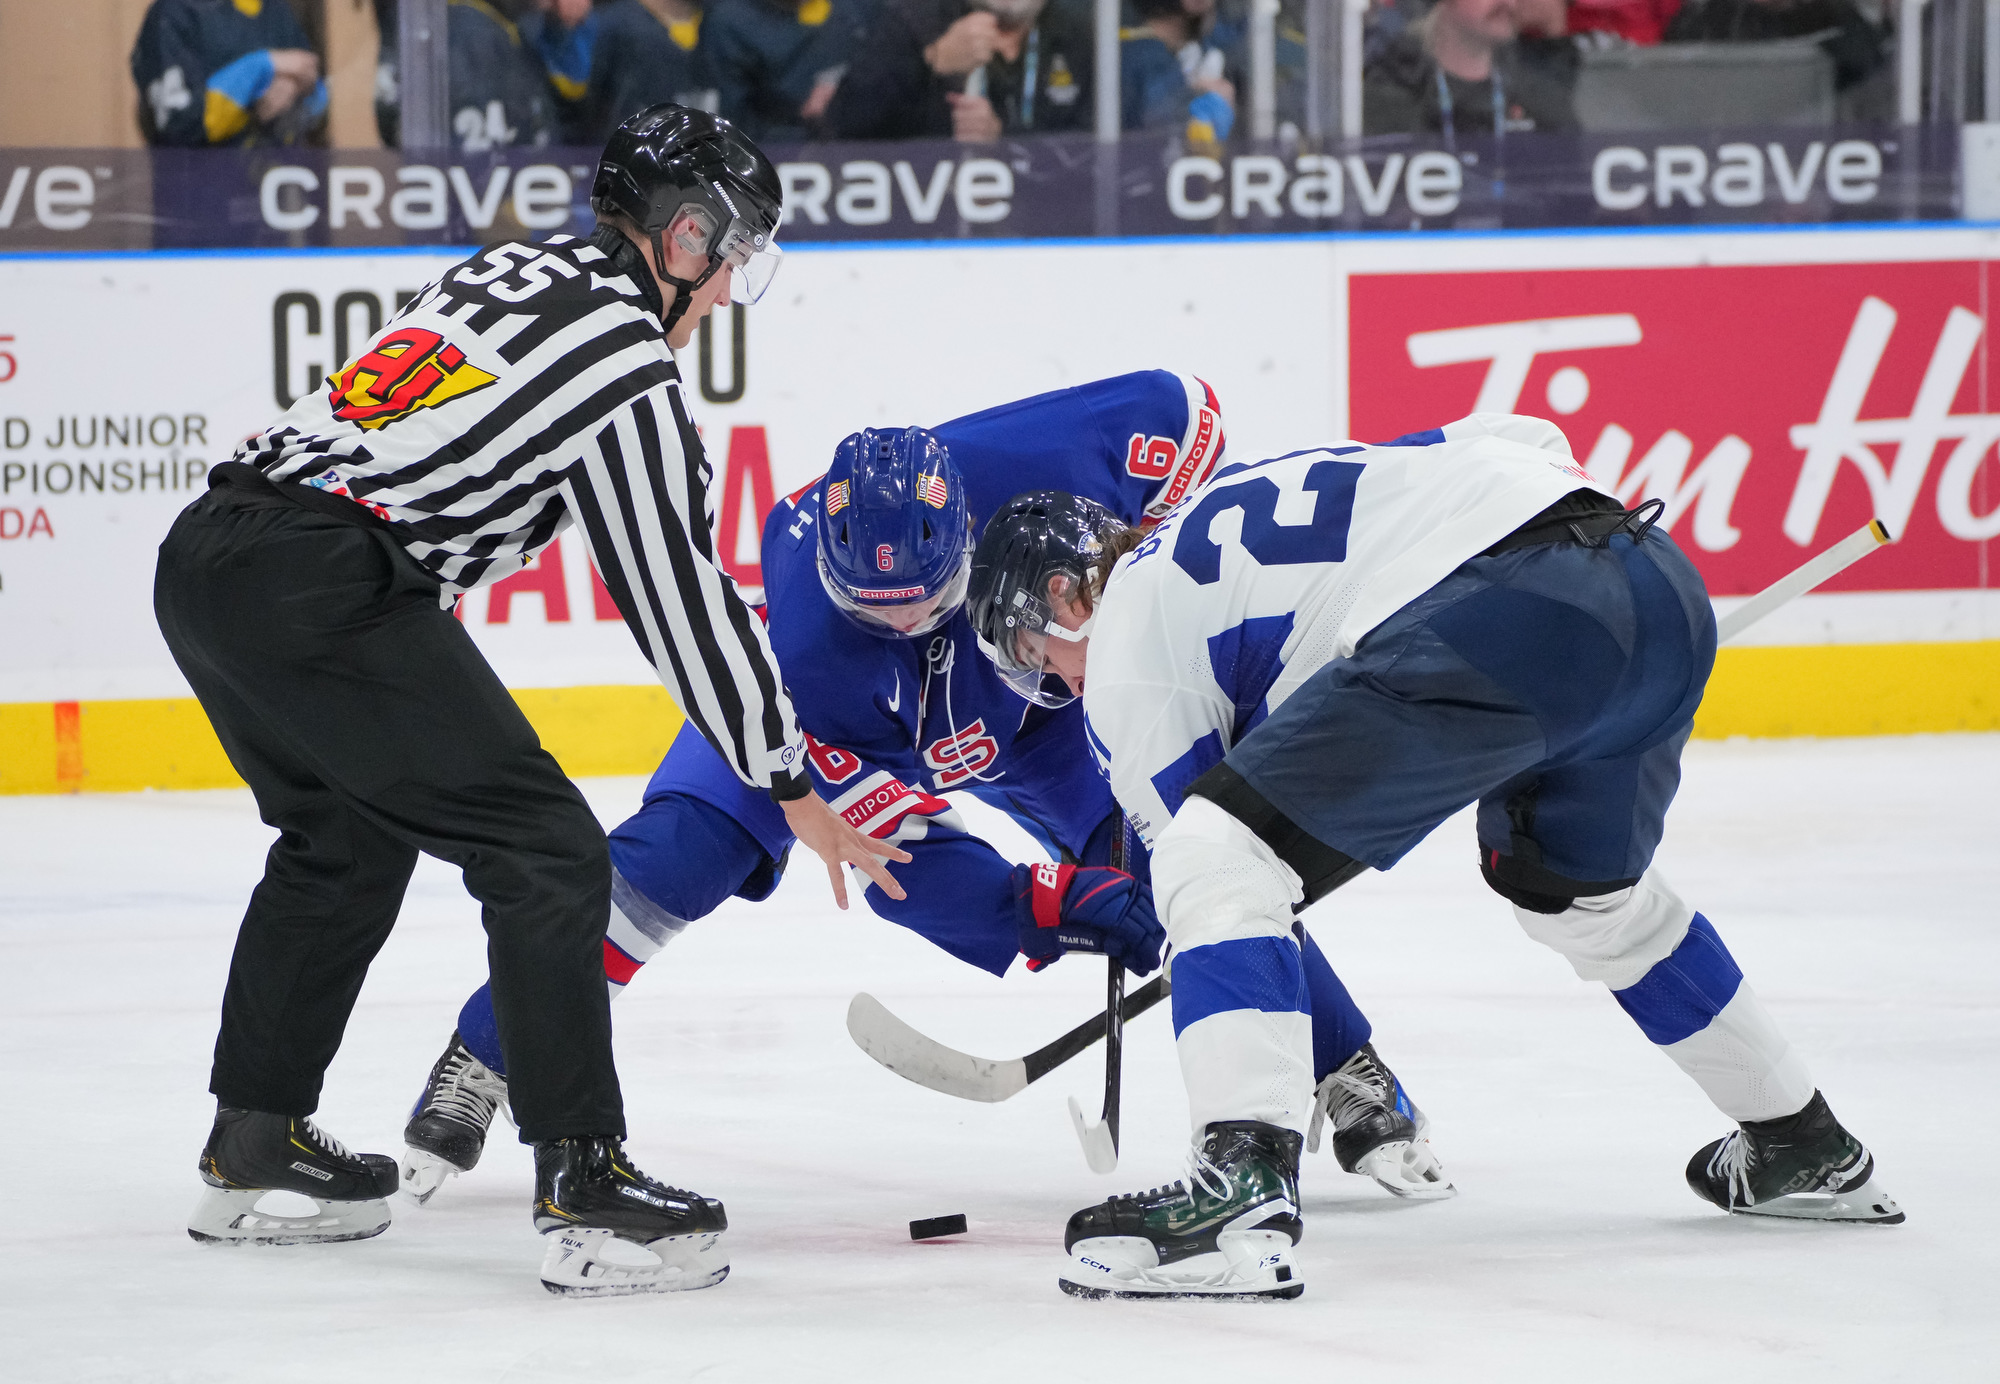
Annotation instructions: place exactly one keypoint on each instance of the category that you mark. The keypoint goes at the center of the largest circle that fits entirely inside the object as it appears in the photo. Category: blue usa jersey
(893, 724)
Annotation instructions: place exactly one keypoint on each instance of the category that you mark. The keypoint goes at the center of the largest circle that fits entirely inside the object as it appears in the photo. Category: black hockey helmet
(669, 162)
(1038, 539)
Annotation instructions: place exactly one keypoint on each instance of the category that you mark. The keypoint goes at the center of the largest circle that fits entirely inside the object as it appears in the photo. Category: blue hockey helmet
(895, 542)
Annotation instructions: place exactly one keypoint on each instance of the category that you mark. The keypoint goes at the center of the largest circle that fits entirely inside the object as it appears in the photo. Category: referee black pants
(370, 728)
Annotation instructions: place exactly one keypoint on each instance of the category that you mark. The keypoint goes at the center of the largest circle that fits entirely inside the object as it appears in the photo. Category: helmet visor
(1031, 684)
(751, 255)
(753, 276)
(1022, 655)
(899, 614)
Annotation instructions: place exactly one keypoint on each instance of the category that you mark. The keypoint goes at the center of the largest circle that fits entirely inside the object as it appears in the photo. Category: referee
(307, 597)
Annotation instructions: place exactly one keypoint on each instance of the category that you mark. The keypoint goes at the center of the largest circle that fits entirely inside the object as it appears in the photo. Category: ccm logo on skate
(1093, 1264)
(311, 1171)
(638, 1195)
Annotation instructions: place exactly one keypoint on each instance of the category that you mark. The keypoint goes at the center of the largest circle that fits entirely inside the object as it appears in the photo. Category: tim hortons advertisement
(1774, 408)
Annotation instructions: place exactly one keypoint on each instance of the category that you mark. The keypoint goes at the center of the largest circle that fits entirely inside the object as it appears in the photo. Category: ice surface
(1855, 881)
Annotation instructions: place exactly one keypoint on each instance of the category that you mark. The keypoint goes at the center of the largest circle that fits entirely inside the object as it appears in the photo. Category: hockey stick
(1838, 558)
(1100, 1140)
(915, 1057)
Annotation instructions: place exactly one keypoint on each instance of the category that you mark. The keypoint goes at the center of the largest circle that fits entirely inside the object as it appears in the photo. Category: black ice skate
(448, 1124)
(1803, 1166)
(251, 1154)
(611, 1229)
(1378, 1131)
(1226, 1233)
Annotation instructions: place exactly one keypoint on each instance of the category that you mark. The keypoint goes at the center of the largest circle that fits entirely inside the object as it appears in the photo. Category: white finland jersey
(1276, 568)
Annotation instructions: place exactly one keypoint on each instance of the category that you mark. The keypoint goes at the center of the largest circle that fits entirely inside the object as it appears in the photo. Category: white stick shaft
(1838, 558)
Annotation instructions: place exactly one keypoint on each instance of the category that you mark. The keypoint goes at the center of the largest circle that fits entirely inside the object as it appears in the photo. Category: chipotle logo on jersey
(407, 370)
(1775, 409)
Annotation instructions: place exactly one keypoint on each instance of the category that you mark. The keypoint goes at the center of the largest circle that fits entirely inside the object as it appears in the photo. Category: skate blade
(423, 1173)
(596, 1263)
(1245, 1265)
(226, 1216)
(1406, 1169)
(1867, 1204)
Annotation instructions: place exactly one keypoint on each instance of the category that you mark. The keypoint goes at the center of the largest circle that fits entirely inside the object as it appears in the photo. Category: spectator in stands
(1855, 45)
(1170, 77)
(500, 94)
(973, 72)
(778, 63)
(1458, 73)
(643, 52)
(1635, 21)
(1550, 47)
(234, 72)
(563, 34)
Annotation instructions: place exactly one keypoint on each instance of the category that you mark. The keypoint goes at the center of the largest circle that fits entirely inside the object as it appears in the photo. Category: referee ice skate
(307, 597)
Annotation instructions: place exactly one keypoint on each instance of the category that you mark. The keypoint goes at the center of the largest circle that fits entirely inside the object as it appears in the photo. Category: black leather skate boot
(611, 1229)
(1378, 1131)
(1227, 1232)
(1803, 1166)
(448, 1124)
(251, 1153)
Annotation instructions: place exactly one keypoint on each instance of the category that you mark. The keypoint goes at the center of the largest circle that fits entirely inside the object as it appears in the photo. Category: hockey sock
(1243, 1030)
(1339, 1028)
(638, 929)
(1696, 1005)
(478, 1031)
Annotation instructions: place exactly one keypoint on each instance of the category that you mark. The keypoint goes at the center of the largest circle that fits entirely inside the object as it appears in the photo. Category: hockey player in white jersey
(1309, 665)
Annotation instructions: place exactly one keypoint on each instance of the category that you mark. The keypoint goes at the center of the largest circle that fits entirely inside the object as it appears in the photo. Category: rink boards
(1775, 388)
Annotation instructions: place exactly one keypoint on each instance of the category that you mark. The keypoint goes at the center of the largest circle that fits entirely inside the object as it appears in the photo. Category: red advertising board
(1773, 408)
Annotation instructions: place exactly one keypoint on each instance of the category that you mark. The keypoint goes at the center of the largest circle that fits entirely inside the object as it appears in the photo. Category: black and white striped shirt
(528, 389)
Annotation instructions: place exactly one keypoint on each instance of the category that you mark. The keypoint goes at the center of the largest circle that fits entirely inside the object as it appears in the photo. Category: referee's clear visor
(751, 255)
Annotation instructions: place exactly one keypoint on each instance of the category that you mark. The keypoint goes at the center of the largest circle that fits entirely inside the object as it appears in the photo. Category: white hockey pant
(1242, 1019)
(1667, 968)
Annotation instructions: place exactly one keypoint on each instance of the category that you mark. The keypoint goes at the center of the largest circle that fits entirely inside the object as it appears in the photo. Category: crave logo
(407, 370)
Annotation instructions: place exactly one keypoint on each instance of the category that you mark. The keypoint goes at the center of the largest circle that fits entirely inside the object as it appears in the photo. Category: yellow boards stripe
(1849, 689)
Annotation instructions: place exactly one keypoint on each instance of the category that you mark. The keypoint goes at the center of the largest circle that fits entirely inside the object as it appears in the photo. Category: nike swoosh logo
(896, 702)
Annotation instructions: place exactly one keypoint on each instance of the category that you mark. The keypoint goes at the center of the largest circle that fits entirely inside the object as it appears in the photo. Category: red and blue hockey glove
(1088, 908)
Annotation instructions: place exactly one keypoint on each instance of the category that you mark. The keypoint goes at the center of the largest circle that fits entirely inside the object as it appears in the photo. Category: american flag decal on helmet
(836, 498)
(933, 489)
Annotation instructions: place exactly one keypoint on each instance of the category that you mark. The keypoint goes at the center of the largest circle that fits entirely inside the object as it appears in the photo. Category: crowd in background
(540, 72)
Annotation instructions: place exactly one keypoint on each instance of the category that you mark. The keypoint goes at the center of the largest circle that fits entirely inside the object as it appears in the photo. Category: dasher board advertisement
(1774, 389)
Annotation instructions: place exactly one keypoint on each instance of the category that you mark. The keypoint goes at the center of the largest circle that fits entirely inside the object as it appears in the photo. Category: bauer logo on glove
(1087, 908)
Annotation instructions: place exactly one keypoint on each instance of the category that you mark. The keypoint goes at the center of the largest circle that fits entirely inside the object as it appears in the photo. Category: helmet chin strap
(684, 289)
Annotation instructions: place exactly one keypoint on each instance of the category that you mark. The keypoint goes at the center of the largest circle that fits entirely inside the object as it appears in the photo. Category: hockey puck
(937, 1227)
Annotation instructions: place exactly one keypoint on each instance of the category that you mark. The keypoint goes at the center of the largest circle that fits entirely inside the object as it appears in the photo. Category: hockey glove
(1088, 908)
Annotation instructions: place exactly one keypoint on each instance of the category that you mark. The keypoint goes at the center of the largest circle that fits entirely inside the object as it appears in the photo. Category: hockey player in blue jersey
(865, 575)
(1297, 676)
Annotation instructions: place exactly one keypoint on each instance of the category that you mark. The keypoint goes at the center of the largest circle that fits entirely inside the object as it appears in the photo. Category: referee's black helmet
(677, 168)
